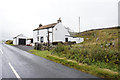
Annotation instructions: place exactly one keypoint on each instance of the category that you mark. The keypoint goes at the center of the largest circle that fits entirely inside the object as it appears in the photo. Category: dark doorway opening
(41, 39)
(66, 39)
(31, 40)
(22, 41)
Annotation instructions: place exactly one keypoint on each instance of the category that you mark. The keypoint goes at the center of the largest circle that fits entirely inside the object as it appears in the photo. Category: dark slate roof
(46, 26)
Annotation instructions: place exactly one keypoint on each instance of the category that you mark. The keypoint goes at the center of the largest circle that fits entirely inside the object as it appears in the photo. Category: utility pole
(48, 39)
(79, 24)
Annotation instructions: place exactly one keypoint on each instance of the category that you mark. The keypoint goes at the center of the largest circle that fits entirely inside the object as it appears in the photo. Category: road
(17, 63)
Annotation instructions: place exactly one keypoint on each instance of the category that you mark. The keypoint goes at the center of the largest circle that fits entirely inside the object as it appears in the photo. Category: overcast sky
(22, 16)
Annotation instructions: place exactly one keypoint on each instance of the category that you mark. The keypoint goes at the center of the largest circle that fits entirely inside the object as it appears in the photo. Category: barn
(20, 40)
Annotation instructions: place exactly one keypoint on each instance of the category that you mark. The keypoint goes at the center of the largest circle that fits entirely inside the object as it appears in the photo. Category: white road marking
(1, 51)
(16, 74)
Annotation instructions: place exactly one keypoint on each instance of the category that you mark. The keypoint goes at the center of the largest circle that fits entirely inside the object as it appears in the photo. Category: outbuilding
(29, 42)
(20, 40)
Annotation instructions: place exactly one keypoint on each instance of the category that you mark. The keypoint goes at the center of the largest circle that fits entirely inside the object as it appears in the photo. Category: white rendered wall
(77, 39)
(15, 41)
(50, 34)
(42, 33)
(28, 41)
(34, 36)
(59, 33)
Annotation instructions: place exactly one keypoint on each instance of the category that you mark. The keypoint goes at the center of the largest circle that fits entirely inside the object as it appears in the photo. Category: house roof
(46, 26)
(19, 35)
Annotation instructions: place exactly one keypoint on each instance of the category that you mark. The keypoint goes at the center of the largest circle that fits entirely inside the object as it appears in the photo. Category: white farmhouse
(57, 33)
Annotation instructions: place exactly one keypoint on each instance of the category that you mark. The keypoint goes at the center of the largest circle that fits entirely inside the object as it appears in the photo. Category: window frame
(37, 32)
(37, 38)
(41, 39)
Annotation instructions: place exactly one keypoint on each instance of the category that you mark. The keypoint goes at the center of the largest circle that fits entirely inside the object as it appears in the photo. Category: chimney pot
(59, 20)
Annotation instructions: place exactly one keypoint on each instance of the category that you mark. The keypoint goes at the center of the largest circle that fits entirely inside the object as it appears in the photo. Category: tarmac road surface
(17, 63)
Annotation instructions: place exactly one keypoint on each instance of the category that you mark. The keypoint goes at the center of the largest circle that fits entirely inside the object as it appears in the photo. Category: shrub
(113, 57)
(59, 48)
(38, 46)
(98, 54)
(81, 59)
(9, 42)
(93, 55)
(69, 56)
(74, 51)
(87, 60)
(66, 50)
(84, 53)
(56, 43)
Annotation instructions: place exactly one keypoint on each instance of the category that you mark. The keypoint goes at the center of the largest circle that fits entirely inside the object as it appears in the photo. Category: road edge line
(14, 71)
(1, 51)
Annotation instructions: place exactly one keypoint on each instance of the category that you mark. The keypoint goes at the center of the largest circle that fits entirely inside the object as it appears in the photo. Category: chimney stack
(40, 25)
(59, 20)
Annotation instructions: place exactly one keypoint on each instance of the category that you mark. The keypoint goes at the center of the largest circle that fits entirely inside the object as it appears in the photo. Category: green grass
(43, 54)
(104, 73)
(104, 36)
(92, 69)
(103, 58)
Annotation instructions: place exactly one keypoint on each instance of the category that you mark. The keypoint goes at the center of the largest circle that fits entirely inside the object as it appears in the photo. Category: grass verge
(43, 54)
(10, 44)
(94, 70)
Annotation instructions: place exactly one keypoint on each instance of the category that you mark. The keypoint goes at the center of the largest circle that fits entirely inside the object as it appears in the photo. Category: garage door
(22, 41)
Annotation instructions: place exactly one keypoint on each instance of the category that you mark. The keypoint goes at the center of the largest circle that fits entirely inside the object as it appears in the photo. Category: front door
(66, 39)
